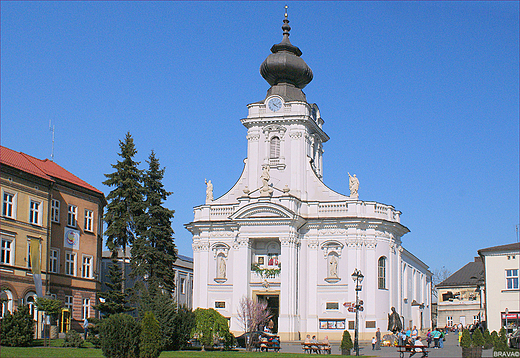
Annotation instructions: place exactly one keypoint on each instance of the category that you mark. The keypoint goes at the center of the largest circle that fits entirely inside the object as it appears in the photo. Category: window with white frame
(85, 308)
(28, 259)
(475, 319)
(6, 256)
(8, 205)
(512, 279)
(183, 286)
(69, 303)
(54, 260)
(34, 212)
(332, 306)
(89, 220)
(6, 302)
(55, 211)
(275, 148)
(449, 321)
(381, 273)
(86, 269)
(72, 216)
(70, 263)
(30, 300)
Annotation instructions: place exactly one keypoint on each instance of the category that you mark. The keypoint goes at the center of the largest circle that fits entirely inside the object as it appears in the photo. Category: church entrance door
(273, 305)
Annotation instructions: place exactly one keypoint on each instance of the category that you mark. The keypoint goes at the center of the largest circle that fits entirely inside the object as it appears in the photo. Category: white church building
(282, 236)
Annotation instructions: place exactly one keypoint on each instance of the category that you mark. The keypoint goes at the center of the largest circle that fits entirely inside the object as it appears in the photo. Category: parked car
(514, 339)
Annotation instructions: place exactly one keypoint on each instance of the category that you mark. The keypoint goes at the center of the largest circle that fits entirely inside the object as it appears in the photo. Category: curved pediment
(263, 210)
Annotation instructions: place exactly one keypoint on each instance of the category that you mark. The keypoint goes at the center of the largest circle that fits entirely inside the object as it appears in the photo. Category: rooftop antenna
(51, 128)
(516, 227)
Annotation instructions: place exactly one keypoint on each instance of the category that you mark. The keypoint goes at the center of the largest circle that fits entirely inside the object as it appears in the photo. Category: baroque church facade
(280, 235)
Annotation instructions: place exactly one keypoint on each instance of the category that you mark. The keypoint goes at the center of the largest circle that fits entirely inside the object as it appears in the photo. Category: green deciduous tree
(115, 300)
(17, 330)
(151, 340)
(125, 201)
(153, 252)
(211, 327)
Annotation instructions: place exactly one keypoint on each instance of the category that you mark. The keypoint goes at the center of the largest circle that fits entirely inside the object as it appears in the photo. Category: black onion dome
(284, 65)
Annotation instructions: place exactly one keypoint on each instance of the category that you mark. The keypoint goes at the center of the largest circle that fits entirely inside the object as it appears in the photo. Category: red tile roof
(42, 168)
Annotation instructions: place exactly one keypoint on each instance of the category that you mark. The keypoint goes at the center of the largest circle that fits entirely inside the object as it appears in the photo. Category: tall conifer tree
(154, 253)
(115, 300)
(125, 201)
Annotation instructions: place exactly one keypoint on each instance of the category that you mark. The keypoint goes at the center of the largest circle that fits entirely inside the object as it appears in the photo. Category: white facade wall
(305, 223)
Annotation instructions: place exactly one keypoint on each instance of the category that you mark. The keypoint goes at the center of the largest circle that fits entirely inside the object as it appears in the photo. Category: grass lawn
(57, 351)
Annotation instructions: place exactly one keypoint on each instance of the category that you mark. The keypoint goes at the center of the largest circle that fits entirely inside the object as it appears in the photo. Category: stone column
(200, 273)
(288, 322)
(241, 276)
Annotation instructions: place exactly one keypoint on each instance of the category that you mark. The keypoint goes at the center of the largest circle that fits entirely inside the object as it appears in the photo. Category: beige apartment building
(43, 201)
(502, 267)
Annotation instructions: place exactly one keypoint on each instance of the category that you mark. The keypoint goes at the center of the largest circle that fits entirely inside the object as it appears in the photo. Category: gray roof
(508, 247)
(468, 275)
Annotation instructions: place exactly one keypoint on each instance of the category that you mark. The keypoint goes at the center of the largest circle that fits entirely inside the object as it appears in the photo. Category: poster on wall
(323, 324)
(71, 239)
(340, 325)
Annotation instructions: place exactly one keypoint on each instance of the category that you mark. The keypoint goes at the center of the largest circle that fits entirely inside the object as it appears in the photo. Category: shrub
(502, 341)
(488, 339)
(73, 339)
(478, 339)
(119, 335)
(17, 330)
(465, 340)
(210, 327)
(346, 341)
(151, 340)
(93, 332)
(494, 339)
(176, 323)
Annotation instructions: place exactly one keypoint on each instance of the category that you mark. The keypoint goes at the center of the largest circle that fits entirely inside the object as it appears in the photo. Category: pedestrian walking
(378, 340)
(85, 327)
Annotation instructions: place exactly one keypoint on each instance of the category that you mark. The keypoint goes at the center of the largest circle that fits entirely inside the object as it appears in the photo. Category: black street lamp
(357, 276)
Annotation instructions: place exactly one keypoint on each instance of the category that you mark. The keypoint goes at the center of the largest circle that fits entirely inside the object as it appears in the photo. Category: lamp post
(357, 276)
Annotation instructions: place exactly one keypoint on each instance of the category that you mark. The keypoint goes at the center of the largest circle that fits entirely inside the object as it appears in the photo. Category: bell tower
(285, 132)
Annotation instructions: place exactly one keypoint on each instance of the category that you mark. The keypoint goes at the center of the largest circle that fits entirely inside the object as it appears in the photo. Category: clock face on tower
(274, 104)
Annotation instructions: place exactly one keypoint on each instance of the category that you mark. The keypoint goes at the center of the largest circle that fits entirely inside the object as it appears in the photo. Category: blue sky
(420, 100)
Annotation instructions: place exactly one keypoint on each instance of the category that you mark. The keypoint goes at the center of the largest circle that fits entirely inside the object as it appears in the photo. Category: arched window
(275, 148)
(30, 299)
(381, 272)
(6, 302)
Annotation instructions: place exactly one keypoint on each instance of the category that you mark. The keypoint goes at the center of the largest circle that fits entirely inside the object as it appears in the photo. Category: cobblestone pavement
(451, 349)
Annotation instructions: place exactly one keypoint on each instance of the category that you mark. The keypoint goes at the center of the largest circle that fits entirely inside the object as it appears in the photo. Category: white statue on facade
(353, 186)
(221, 267)
(209, 191)
(265, 190)
(333, 266)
